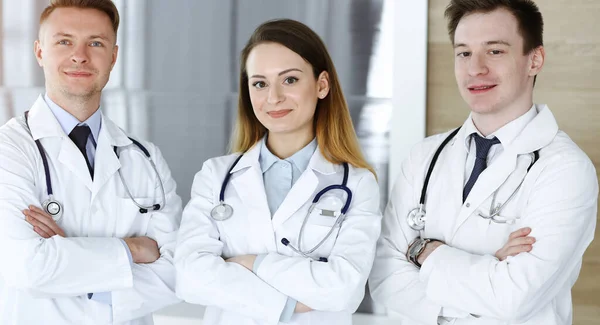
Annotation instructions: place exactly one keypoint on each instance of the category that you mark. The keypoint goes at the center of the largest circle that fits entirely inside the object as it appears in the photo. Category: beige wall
(569, 84)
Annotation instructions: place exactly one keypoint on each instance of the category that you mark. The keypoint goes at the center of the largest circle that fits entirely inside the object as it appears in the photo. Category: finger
(46, 220)
(515, 250)
(521, 241)
(41, 232)
(519, 233)
(40, 212)
(36, 223)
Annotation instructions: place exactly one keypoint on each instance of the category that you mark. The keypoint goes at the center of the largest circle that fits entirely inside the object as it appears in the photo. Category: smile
(279, 114)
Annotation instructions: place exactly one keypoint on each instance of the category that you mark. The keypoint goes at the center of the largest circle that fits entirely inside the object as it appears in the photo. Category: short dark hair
(529, 18)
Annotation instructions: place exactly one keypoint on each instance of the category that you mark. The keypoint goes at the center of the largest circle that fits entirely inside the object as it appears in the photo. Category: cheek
(256, 100)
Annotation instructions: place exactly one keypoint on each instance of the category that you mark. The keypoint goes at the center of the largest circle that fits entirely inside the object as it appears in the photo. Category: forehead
(272, 58)
(78, 22)
(478, 28)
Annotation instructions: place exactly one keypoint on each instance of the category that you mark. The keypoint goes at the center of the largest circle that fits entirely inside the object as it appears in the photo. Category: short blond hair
(106, 6)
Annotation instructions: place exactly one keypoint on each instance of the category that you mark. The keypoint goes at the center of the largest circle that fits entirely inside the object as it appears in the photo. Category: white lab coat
(46, 281)
(235, 295)
(558, 200)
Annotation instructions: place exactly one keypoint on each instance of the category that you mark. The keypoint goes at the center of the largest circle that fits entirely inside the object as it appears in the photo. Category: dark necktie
(80, 135)
(482, 146)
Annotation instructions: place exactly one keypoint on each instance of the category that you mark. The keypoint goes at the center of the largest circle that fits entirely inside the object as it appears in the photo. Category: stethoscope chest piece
(53, 208)
(416, 218)
(221, 212)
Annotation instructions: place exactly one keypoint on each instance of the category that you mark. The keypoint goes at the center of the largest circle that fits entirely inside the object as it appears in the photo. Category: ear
(115, 53)
(323, 85)
(538, 56)
(37, 51)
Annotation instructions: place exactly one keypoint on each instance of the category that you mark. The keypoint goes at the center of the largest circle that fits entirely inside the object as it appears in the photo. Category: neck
(285, 145)
(488, 123)
(82, 107)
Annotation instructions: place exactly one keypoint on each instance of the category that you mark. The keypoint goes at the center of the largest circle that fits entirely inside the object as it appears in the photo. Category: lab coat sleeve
(154, 283)
(57, 266)
(203, 277)
(561, 211)
(339, 284)
(394, 281)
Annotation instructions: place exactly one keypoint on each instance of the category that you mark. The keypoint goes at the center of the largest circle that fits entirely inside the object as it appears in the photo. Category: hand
(518, 242)
(42, 222)
(429, 248)
(246, 261)
(301, 308)
(143, 249)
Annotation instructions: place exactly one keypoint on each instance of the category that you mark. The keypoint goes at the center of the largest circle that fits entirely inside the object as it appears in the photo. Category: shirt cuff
(128, 252)
(101, 297)
(288, 310)
(257, 261)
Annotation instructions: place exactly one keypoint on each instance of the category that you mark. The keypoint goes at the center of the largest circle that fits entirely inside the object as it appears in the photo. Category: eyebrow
(499, 42)
(100, 36)
(279, 74)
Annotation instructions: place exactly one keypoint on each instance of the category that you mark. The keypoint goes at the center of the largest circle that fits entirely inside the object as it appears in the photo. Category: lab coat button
(468, 205)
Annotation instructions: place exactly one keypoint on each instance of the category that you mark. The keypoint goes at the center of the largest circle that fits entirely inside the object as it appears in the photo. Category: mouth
(279, 114)
(78, 74)
(479, 89)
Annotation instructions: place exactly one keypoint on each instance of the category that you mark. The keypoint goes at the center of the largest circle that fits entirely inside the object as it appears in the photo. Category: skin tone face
(284, 95)
(494, 75)
(76, 49)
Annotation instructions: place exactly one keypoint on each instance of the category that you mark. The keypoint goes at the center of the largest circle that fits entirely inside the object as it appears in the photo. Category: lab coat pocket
(318, 229)
(130, 221)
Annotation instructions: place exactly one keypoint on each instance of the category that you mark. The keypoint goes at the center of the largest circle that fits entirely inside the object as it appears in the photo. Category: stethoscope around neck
(224, 211)
(417, 217)
(55, 209)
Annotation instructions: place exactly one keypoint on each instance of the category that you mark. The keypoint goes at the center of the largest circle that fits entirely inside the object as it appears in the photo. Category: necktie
(482, 146)
(79, 136)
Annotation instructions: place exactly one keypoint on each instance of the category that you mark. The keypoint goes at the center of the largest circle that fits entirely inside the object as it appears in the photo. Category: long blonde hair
(332, 122)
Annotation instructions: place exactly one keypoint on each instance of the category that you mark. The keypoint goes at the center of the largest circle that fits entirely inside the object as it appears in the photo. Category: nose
(80, 54)
(275, 95)
(477, 65)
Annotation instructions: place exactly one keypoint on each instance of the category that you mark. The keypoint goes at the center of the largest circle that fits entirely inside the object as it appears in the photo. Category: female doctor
(263, 239)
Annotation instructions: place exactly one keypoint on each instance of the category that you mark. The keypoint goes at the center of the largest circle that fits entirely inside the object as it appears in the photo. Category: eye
(290, 80)
(96, 44)
(463, 54)
(64, 42)
(259, 84)
(495, 52)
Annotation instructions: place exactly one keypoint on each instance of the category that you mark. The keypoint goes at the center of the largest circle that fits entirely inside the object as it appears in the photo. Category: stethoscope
(416, 217)
(224, 211)
(55, 209)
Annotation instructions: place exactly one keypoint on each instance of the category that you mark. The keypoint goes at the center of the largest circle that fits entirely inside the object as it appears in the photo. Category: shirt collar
(505, 134)
(68, 122)
(300, 159)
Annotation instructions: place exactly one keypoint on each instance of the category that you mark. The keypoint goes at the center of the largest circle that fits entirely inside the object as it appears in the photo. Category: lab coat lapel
(106, 161)
(303, 190)
(447, 180)
(248, 183)
(44, 126)
(489, 180)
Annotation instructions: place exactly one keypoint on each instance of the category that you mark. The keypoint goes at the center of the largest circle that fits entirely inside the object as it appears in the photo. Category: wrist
(132, 248)
(420, 248)
(429, 248)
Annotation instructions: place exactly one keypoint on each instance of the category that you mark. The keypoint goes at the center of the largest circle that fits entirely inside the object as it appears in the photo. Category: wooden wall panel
(569, 84)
